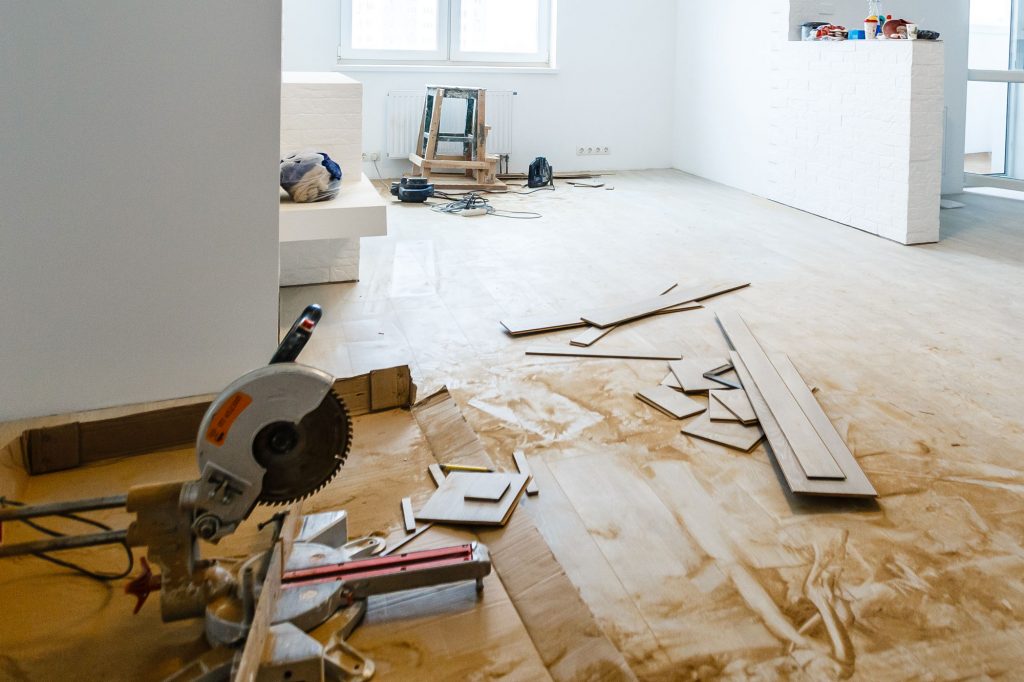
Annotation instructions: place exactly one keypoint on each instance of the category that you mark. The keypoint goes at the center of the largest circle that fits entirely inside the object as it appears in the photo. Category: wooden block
(718, 411)
(571, 351)
(855, 484)
(733, 435)
(689, 374)
(449, 504)
(737, 403)
(810, 450)
(488, 488)
(671, 402)
(524, 468)
(607, 317)
(437, 474)
(538, 324)
(408, 519)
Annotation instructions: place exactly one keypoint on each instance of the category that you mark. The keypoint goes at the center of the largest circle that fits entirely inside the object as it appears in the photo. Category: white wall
(138, 200)
(615, 64)
(722, 86)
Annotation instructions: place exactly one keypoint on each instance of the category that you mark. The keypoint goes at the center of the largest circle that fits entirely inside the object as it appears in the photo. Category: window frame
(448, 39)
(350, 54)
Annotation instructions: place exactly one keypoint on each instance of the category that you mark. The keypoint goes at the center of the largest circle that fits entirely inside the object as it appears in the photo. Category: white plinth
(857, 134)
(320, 241)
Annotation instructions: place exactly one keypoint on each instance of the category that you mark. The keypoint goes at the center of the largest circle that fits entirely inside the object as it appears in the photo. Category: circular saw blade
(302, 458)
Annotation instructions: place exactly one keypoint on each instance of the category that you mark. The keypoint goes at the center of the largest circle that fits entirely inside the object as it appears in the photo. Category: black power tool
(412, 190)
(541, 174)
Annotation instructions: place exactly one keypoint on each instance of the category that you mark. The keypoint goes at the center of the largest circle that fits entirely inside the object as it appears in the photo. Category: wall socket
(592, 151)
(372, 156)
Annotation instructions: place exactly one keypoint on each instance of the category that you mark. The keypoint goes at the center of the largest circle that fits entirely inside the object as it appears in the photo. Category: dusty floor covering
(691, 555)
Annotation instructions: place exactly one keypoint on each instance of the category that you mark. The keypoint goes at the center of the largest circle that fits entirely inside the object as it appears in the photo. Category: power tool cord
(96, 575)
(472, 201)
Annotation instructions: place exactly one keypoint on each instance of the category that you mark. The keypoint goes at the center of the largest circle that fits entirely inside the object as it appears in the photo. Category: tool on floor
(275, 436)
(412, 190)
(540, 174)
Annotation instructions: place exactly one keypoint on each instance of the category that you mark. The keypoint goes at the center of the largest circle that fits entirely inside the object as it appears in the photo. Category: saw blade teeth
(339, 458)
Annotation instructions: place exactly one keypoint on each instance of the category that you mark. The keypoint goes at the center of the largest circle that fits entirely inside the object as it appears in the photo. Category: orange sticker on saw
(226, 416)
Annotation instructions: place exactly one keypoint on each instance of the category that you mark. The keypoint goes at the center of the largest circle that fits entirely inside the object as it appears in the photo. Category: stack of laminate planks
(812, 455)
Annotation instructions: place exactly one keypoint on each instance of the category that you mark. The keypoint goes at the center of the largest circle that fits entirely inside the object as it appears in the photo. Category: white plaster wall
(138, 199)
(612, 87)
(722, 83)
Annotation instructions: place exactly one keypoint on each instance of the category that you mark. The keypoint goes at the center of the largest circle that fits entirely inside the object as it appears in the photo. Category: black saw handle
(297, 337)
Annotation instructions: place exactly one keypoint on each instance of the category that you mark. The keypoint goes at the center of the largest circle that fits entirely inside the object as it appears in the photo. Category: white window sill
(446, 68)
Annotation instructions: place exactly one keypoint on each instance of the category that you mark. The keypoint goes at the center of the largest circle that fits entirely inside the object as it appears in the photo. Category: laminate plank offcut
(571, 351)
(856, 484)
(607, 317)
(671, 402)
(448, 504)
(689, 374)
(524, 468)
(809, 448)
(488, 489)
(718, 411)
(729, 434)
(737, 403)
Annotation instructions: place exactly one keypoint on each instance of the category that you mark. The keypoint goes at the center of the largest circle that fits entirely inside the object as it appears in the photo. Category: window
(446, 31)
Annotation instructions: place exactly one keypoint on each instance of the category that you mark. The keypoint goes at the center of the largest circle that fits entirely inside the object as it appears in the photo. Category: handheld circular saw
(275, 435)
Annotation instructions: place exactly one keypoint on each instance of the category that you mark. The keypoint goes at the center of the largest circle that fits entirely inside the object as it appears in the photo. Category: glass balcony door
(995, 95)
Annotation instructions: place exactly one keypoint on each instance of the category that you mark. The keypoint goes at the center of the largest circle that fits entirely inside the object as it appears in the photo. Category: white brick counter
(857, 134)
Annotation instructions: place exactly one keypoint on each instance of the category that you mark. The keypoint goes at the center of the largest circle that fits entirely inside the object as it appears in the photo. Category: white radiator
(405, 109)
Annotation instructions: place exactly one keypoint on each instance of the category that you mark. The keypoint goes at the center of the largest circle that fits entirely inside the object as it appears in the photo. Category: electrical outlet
(592, 151)
(372, 156)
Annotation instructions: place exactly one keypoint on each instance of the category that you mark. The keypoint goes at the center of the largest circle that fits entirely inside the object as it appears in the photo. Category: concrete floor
(693, 557)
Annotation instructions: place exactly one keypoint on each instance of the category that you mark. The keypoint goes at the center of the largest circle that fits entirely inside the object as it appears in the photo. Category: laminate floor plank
(780, 449)
(689, 374)
(622, 354)
(810, 450)
(607, 317)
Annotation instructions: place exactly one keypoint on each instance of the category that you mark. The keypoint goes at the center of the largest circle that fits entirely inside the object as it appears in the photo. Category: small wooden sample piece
(607, 317)
(449, 504)
(733, 435)
(573, 351)
(488, 488)
(737, 403)
(689, 374)
(408, 519)
(671, 402)
(524, 468)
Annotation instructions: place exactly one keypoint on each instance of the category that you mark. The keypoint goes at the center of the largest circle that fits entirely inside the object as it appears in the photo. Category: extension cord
(471, 212)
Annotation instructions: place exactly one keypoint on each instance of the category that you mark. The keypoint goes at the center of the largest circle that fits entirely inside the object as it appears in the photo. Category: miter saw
(275, 436)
